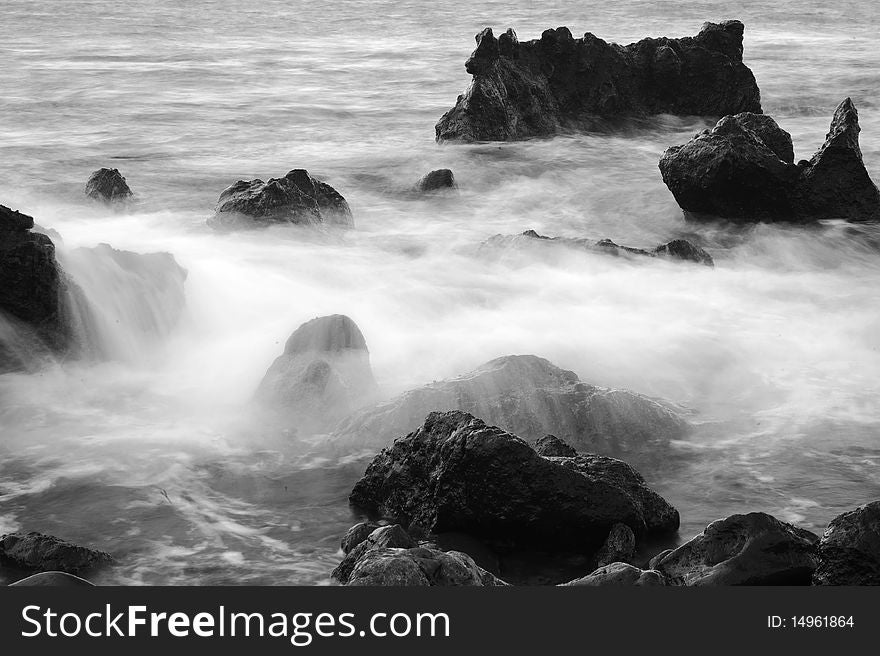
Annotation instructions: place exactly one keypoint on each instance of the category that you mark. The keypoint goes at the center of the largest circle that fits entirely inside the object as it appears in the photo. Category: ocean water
(157, 454)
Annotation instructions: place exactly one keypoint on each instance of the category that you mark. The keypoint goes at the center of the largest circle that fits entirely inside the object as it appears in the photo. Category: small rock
(45, 553)
(380, 538)
(357, 534)
(620, 574)
(619, 546)
(436, 180)
(107, 185)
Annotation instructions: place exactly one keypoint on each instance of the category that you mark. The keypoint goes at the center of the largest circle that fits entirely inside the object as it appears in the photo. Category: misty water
(157, 455)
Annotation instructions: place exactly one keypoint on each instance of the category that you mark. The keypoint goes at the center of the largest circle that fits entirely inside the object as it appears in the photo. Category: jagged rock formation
(436, 181)
(107, 185)
(752, 549)
(680, 249)
(44, 553)
(323, 374)
(296, 198)
(455, 473)
(849, 551)
(531, 397)
(743, 169)
(557, 82)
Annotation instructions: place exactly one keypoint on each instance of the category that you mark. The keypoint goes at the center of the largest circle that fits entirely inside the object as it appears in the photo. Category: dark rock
(456, 473)
(419, 566)
(550, 445)
(45, 553)
(620, 574)
(557, 82)
(436, 181)
(619, 546)
(107, 185)
(296, 198)
(680, 249)
(743, 170)
(357, 534)
(849, 551)
(53, 579)
(384, 537)
(652, 564)
(530, 397)
(323, 374)
(752, 549)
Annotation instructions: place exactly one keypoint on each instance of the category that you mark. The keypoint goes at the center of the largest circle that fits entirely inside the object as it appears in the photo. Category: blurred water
(159, 458)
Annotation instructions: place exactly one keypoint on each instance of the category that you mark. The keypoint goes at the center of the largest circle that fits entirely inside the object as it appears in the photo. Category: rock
(550, 445)
(619, 546)
(419, 566)
(383, 537)
(620, 574)
(107, 185)
(455, 473)
(323, 374)
(357, 534)
(436, 181)
(849, 551)
(45, 553)
(53, 579)
(743, 170)
(531, 397)
(752, 549)
(680, 249)
(541, 87)
(296, 198)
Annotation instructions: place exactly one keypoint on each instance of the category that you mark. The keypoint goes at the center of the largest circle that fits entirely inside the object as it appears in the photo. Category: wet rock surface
(107, 185)
(620, 574)
(437, 180)
(849, 551)
(541, 87)
(45, 553)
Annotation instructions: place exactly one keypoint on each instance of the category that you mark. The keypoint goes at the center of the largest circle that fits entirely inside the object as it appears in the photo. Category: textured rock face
(323, 374)
(752, 549)
(382, 537)
(296, 198)
(619, 546)
(557, 82)
(550, 445)
(107, 185)
(436, 181)
(620, 574)
(419, 566)
(849, 552)
(680, 249)
(743, 169)
(530, 397)
(45, 553)
(33, 294)
(457, 474)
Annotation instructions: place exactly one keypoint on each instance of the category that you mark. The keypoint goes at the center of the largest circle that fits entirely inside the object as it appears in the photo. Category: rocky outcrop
(620, 574)
(455, 473)
(557, 82)
(552, 446)
(743, 169)
(296, 198)
(44, 553)
(437, 180)
(52, 579)
(530, 397)
(680, 249)
(381, 537)
(323, 374)
(752, 549)
(107, 185)
(34, 304)
(849, 551)
(619, 546)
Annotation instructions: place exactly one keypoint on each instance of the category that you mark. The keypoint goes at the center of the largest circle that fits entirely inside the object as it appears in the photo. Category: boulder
(680, 249)
(620, 574)
(323, 374)
(107, 185)
(849, 551)
(541, 87)
(296, 198)
(619, 546)
(531, 397)
(436, 181)
(45, 553)
(52, 579)
(383, 537)
(357, 534)
(752, 549)
(743, 169)
(419, 566)
(552, 446)
(455, 473)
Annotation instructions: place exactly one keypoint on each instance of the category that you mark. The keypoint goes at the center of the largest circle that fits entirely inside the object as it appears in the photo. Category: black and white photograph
(395, 293)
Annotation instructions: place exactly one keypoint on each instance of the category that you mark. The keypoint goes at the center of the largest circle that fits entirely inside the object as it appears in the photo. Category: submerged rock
(530, 397)
(849, 551)
(752, 549)
(436, 181)
(534, 88)
(620, 574)
(455, 473)
(296, 198)
(52, 579)
(680, 249)
(44, 553)
(743, 169)
(107, 185)
(323, 374)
